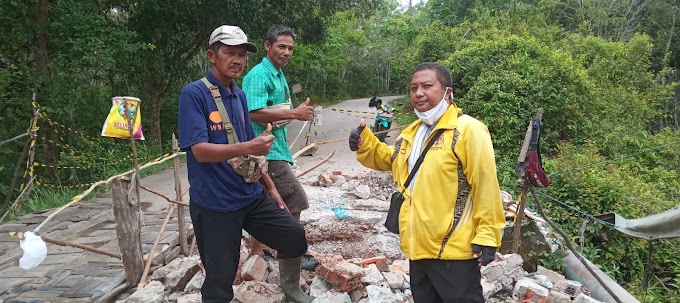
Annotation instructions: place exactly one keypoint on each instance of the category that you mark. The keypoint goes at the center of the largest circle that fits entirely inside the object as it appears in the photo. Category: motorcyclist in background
(383, 120)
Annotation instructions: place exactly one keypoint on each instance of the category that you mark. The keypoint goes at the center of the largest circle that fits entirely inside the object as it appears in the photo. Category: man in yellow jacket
(451, 219)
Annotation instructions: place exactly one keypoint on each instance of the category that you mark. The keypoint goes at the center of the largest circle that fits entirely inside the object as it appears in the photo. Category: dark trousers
(446, 281)
(218, 236)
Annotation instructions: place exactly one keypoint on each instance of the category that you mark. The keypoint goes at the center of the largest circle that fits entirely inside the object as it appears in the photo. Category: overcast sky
(405, 2)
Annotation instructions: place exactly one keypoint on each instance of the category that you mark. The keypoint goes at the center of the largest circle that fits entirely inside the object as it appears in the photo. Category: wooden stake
(178, 196)
(519, 216)
(315, 165)
(155, 244)
(128, 229)
(83, 247)
(162, 196)
(31, 150)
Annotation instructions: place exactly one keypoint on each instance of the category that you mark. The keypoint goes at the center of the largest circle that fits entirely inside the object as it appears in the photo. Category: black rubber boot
(309, 262)
(289, 272)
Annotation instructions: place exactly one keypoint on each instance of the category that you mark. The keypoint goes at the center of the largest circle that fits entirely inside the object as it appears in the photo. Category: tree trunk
(41, 52)
(155, 106)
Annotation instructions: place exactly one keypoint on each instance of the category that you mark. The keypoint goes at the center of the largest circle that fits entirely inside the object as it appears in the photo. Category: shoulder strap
(226, 122)
(420, 159)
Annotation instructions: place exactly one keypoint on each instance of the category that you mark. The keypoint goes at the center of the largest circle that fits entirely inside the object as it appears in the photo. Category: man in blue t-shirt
(221, 201)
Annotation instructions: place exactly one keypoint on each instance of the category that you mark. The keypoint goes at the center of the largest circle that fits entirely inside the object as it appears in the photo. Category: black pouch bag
(397, 199)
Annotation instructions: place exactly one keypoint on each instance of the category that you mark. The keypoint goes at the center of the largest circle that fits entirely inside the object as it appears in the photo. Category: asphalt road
(334, 125)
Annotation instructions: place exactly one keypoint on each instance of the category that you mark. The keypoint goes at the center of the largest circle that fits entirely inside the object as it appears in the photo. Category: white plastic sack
(34, 249)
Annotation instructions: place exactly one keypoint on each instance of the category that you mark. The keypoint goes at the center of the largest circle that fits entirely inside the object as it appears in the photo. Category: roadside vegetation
(605, 73)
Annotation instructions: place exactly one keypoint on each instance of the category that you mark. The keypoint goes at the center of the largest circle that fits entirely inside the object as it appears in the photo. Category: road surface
(334, 125)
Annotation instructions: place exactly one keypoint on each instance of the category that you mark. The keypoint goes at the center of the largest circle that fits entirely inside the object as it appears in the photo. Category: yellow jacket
(444, 181)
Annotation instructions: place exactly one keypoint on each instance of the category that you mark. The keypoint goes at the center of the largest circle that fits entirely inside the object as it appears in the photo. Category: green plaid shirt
(264, 86)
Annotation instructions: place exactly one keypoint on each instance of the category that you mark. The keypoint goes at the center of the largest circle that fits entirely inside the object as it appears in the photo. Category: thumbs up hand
(267, 131)
(355, 136)
(304, 111)
(262, 144)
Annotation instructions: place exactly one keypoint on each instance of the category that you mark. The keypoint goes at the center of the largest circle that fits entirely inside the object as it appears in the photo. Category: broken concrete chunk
(332, 297)
(380, 262)
(569, 287)
(582, 298)
(159, 274)
(558, 297)
(372, 275)
(544, 281)
(258, 292)
(254, 269)
(395, 279)
(154, 292)
(190, 298)
(319, 287)
(179, 278)
(196, 282)
(377, 294)
(493, 271)
(554, 277)
(489, 288)
(403, 264)
(363, 191)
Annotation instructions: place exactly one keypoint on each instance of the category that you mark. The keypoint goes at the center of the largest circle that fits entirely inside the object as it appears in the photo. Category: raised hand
(261, 145)
(355, 136)
(304, 111)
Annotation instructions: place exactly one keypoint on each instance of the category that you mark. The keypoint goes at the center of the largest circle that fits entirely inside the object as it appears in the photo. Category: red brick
(344, 276)
(255, 269)
(379, 261)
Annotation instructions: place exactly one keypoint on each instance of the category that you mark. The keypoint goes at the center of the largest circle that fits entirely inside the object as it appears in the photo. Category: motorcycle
(383, 119)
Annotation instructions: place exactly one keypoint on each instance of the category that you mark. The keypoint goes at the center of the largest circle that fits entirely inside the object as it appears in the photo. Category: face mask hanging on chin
(431, 116)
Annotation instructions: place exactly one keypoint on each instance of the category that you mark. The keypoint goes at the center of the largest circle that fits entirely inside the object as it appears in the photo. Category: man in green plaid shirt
(268, 98)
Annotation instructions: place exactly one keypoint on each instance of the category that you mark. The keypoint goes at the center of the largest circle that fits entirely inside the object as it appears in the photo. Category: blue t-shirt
(215, 186)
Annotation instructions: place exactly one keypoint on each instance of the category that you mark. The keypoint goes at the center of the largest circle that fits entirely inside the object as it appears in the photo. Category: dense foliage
(605, 73)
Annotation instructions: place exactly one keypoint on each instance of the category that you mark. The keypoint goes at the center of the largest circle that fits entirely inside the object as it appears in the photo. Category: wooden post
(128, 229)
(519, 217)
(31, 152)
(180, 209)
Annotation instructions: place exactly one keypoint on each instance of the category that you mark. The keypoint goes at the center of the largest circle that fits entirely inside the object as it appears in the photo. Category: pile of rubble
(359, 260)
(371, 280)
